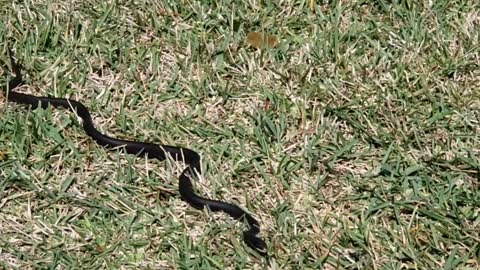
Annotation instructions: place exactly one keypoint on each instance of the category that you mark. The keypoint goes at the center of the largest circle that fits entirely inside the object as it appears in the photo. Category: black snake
(157, 151)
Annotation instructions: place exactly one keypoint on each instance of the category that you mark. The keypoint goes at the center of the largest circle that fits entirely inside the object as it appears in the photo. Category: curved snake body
(151, 150)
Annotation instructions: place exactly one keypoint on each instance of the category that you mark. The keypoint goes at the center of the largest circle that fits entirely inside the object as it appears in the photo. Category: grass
(355, 141)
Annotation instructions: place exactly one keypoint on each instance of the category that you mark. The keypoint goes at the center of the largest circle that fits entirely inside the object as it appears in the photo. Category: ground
(353, 139)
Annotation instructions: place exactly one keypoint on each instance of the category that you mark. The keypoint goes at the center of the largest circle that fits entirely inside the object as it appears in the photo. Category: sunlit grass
(354, 140)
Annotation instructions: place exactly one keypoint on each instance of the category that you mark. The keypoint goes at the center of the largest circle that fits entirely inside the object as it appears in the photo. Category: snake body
(151, 150)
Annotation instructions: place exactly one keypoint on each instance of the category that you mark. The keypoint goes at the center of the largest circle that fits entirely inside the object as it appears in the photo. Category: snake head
(255, 243)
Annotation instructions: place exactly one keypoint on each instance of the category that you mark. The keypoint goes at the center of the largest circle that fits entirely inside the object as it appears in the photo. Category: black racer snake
(151, 150)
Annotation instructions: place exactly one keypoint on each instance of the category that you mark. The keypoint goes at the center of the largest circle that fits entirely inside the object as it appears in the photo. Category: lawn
(354, 138)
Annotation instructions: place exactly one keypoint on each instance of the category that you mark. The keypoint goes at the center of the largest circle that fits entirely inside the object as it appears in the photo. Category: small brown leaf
(100, 248)
(258, 40)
